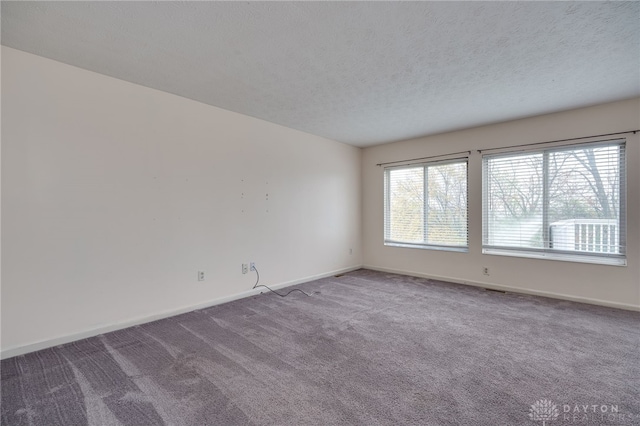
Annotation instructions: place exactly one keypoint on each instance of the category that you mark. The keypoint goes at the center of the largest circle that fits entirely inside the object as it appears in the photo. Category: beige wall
(610, 285)
(115, 195)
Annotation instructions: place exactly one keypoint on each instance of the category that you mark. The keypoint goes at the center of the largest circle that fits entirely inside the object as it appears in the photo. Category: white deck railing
(590, 235)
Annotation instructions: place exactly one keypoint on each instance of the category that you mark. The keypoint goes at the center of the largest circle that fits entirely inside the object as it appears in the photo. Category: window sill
(427, 247)
(564, 257)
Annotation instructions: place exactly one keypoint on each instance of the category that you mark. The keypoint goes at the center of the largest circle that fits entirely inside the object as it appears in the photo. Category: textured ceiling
(363, 73)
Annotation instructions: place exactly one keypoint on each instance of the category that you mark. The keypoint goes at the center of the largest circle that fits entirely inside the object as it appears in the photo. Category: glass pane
(447, 204)
(584, 202)
(406, 205)
(514, 204)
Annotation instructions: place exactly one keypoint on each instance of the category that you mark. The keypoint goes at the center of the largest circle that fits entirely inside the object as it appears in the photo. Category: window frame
(387, 205)
(617, 259)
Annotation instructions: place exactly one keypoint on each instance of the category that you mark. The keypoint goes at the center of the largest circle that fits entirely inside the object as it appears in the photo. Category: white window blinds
(426, 205)
(562, 203)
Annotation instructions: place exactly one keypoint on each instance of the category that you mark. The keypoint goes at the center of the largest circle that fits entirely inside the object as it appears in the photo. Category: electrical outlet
(200, 275)
(252, 266)
(350, 251)
(245, 268)
(485, 270)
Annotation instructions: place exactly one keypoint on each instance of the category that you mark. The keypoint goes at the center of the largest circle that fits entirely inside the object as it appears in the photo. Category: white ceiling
(363, 73)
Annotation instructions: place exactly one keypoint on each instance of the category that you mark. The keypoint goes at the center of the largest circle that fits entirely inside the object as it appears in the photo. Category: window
(565, 203)
(426, 205)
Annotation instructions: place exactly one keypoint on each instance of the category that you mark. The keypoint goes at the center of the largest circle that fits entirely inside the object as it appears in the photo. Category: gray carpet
(370, 349)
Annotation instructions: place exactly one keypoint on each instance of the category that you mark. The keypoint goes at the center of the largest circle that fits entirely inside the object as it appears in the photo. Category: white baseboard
(43, 344)
(60, 340)
(509, 289)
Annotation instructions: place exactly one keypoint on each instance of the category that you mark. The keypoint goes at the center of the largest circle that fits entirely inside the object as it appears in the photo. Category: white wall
(115, 195)
(609, 285)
